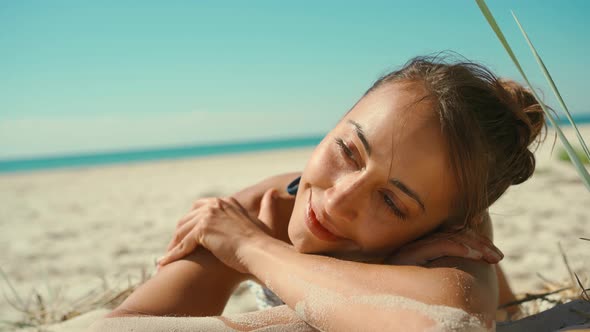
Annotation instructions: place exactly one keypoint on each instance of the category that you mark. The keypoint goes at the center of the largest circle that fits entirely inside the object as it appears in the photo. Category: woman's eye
(346, 150)
(393, 207)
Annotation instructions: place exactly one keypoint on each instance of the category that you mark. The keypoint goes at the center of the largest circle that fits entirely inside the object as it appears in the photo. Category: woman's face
(380, 179)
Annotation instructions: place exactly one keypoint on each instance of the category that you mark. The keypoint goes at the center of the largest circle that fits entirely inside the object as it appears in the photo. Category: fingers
(465, 244)
(185, 218)
(419, 256)
(185, 247)
(469, 248)
(423, 252)
(200, 202)
(195, 207)
(234, 202)
(181, 227)
(475, 242)
(450, 248)
(181, 232)
(185, 237)
(267, 205)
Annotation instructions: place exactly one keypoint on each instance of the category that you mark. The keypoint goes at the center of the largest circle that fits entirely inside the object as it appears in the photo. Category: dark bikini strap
(293, 186)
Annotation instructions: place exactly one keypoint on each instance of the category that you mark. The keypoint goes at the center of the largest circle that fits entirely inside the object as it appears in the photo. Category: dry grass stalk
(38, 310)
(585, 290)
(530, 297)
(552, 293)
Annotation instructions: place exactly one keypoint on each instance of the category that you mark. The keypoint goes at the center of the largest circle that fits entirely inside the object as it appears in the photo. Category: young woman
(387, 227)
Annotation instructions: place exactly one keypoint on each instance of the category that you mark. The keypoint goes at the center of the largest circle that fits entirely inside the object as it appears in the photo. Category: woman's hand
(275, 215)
(467, 244)
(183, 227)
(222, 226)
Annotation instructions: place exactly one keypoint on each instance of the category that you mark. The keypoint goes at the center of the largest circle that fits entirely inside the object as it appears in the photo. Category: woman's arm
(199, 284)
(334, 295)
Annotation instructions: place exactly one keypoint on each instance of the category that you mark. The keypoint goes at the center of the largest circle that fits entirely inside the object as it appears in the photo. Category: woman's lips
(315, 227)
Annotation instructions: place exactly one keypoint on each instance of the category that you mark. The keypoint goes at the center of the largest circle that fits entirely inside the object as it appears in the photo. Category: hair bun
(525, 107)
(530, 121)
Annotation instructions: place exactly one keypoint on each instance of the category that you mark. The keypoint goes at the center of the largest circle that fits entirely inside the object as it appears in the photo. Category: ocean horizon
(145, 155)
(78, 160)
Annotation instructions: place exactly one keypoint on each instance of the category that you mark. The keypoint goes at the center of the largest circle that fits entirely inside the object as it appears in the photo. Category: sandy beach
(69, 231)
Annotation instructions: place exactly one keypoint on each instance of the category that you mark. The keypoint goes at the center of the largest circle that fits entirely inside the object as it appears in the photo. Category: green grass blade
(582, 171)
(494, 25)
(553, 86)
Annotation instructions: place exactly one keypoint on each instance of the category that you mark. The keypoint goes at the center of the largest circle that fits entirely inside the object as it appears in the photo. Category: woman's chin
(306, 246)
(306, 243)
(311, 246)
(302, 241)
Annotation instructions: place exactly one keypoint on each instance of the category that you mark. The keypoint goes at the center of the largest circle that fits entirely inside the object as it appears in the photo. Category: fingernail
(494, 254)
(160, 260)
(473, 254)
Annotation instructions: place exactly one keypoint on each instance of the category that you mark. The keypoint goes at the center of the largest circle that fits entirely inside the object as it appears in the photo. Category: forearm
(198, 285)
(336, 295)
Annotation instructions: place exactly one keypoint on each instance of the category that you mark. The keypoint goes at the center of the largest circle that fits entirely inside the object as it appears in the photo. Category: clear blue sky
(109, 75)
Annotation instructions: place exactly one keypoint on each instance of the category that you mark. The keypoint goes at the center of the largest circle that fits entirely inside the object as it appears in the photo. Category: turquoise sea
(132, 156)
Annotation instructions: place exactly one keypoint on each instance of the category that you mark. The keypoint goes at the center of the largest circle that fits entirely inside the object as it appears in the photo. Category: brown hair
(489, 124)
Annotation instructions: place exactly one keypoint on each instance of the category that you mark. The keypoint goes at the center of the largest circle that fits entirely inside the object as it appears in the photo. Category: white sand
(530, 219)
(69, 228)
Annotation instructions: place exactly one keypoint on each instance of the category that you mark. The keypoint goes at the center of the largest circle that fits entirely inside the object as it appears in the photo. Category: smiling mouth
(316, 228)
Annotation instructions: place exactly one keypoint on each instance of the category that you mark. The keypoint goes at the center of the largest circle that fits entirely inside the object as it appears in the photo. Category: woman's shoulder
(476, 278)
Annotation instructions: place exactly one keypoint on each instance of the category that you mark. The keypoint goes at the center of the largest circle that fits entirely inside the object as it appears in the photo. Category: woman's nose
(344, 199)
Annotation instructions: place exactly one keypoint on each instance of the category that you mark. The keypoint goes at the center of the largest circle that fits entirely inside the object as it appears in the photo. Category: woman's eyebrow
(401, 186)
(361, 134)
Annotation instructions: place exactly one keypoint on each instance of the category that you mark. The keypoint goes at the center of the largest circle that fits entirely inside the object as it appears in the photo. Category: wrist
(256, 255)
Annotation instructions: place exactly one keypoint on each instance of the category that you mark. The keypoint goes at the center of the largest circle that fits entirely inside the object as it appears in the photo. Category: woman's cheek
(382, 232)
(323, 167)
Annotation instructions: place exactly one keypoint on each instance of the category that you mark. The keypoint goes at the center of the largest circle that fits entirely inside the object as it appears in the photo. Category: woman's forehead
(398, 113)
(407, 147)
